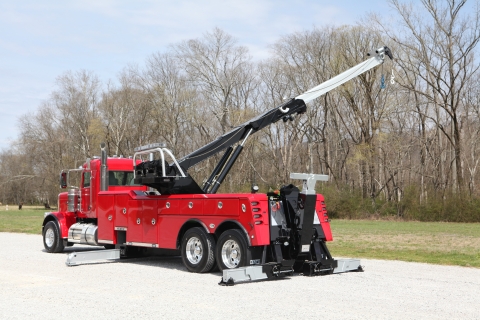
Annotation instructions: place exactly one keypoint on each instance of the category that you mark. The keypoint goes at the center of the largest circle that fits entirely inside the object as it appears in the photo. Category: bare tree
(440, 51)
(218, 67)
(77, 100)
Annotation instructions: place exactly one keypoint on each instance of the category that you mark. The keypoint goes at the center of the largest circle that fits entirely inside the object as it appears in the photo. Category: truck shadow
(173, 262)
(167, 261)
(68, 250)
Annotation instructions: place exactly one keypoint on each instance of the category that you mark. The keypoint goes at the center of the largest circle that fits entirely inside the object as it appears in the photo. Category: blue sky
(40, 40)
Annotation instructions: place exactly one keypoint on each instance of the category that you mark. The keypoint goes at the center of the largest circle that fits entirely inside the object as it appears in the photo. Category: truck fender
(191, 223)
(64, 221)
(232, 224)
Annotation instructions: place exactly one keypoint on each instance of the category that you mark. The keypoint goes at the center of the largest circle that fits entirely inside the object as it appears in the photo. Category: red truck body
(132, 215)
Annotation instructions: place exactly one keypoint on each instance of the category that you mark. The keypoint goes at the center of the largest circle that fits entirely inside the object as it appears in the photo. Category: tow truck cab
(83, 199)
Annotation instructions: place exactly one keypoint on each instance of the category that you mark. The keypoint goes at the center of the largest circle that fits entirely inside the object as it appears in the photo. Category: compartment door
(150, 221)
(135, 221)
(121, 210)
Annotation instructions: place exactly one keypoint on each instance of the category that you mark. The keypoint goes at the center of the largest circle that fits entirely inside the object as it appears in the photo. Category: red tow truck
(149, 202)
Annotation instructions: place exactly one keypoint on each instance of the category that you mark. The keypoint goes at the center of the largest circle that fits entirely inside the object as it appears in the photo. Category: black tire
(198, 250)
(231, 250)
(52, 241)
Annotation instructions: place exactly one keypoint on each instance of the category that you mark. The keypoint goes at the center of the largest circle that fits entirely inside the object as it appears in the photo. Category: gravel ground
(35, 284)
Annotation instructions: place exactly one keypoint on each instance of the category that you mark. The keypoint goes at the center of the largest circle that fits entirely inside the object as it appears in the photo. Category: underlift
(296, 239)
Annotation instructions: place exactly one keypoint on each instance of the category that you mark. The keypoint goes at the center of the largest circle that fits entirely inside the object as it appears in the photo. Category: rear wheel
(198, 250)
(231, 250)
(52, 241)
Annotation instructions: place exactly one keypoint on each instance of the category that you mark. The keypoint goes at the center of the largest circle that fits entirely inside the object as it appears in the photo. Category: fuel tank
(84, 233)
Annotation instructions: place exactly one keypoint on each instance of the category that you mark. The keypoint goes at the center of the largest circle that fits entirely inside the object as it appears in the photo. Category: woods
(401, 140)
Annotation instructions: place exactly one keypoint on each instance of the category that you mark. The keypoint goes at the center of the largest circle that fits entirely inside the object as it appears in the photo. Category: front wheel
(52, 241)
(198, 250)
(231, 250)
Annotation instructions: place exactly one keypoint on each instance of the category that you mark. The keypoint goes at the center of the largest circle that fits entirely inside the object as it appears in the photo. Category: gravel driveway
(35, 284)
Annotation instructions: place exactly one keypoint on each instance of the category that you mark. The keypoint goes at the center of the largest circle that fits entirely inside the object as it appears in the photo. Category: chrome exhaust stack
(73, 202)
(103, 169)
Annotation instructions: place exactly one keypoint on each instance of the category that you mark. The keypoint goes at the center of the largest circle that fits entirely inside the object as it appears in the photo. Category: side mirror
(63, 180)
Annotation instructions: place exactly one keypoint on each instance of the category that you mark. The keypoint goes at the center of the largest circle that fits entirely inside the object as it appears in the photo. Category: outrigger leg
(273, 271)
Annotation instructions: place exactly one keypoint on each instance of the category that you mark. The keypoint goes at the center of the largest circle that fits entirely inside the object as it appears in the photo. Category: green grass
(429, 242)
(27, 220)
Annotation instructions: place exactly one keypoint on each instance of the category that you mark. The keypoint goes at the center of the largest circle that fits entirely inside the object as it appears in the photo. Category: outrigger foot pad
(96, 256)
(347, 265)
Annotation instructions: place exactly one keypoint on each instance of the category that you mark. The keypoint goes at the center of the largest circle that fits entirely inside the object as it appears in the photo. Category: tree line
(400, 140)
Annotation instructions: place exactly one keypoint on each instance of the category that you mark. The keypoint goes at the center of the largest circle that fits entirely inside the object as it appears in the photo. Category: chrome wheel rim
(231, 254)
(49, 237)
(194, 250)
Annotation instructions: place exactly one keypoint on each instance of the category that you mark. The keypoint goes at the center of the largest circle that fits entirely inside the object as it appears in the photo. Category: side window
(121, 178)
(86, 179)
(129, 179)
(113, 178)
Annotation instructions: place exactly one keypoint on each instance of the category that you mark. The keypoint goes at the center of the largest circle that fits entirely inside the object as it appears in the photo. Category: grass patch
(343, 202)
(429, 242)
(27, 220)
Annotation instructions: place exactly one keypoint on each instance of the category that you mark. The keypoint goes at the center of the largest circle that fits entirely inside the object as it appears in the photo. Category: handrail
(162, 152)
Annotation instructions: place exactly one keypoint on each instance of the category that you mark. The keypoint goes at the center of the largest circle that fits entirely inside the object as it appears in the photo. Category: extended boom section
(284, 111)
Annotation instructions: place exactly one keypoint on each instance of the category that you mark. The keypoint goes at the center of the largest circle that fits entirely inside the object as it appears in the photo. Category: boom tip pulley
(381, 52)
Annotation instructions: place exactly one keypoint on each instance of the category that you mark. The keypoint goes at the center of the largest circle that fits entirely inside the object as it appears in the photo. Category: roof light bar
(150, 146)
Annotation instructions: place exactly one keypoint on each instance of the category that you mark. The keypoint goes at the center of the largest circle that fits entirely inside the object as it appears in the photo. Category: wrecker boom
(285, 111)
